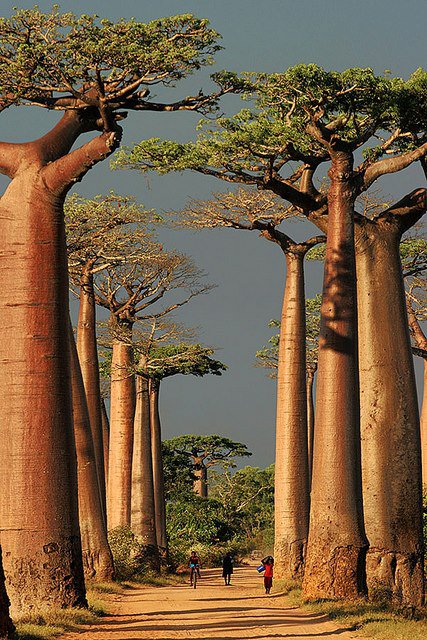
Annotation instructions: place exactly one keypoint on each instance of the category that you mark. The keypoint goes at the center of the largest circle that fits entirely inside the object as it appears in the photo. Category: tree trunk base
(289, 560)
(164, 557)
(50, 577)
(396, 578)
(335, 573)
(148, 557)
(6, 626)
(98, 565)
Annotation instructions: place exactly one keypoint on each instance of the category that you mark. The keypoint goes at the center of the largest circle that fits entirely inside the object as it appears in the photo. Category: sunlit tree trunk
(200, 484)
(105, 436)
(143, 521)
(421, 342)
(335, 566)
(391, 454)
(159, 485)
(424, 427)
(88, 356)
(291, 469)
(121, 434)
(97, 558)
(38, 472)
(310, 419)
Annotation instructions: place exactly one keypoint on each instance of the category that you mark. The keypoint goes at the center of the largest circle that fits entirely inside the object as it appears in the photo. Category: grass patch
(289, 588)
(156, 580)
(36, 632)
(376, 621)
(105, 587)
(51, 623)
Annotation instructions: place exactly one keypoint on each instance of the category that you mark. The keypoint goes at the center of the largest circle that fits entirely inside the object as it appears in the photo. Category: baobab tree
(132, 291)
(310, 116)
(268, 358)
(162, 361)
(93, 244)
(97, 557)
(93, 71)
(416, 304)
(206, 452)
(262, 211)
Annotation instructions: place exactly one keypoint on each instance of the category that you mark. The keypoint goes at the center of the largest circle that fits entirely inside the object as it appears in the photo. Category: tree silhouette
(206, 452)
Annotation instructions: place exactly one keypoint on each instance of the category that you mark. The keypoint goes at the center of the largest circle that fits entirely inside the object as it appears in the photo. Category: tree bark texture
(88, 356)
(143, 520)
(38, 472)
(335, 566)
(105, 436)
(292, 500)
(421, 342)
(97, 558)
(390, 436)
(423, 423)
(200, 484)
(310, 421)
(121, 436)
(159, 485)
(6, 626)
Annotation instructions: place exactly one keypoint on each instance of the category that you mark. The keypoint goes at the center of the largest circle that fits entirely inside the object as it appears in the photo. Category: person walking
(227, 568)
(268, 563)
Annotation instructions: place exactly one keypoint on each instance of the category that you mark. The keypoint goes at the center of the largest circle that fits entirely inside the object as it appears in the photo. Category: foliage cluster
(129, 555)
(238, 517)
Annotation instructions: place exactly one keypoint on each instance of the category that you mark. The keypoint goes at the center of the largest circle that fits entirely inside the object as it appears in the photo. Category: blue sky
(262, 36)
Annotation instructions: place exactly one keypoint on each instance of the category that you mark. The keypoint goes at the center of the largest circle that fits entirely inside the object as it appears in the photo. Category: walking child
(268, 563)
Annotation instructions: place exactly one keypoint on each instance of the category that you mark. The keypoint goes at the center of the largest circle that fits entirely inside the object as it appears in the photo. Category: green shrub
(130, 559)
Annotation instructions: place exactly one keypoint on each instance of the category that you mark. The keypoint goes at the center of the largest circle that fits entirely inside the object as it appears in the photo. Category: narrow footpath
(211, 612)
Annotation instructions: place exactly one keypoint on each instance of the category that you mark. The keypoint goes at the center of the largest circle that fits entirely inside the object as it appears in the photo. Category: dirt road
(211, 612)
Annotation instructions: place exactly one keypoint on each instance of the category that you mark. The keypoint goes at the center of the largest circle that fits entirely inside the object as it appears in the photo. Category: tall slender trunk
(159, 484)
(423, 424)
(88, 356)
(121, 435)
(105, 436)
(39, 529)
(200, 484)
(292, 500)
(310, 420)
(97, 558)
(6, 626)
(421, 342)
(391, 454)
(143, 520)
(337, 544)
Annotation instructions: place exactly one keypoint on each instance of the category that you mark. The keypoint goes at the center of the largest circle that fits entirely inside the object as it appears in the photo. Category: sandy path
(212, 611)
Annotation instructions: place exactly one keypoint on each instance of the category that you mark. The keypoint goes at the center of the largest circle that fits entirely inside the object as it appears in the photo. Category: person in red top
(268, 563)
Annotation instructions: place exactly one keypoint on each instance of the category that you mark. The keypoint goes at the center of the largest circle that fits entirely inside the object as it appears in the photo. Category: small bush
(130, 557)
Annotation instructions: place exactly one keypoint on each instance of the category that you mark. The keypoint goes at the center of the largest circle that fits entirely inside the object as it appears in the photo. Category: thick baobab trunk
(200, 484)
(88, 356)
(310, 419)
(39, 528)
(421, 342)
(121, 436)
(389, 421)
(6, 626)
(105, 436)
(292, 500)
(423, 424)
(143, 520)
(337, 544)
(159, 485)
(97, 558)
